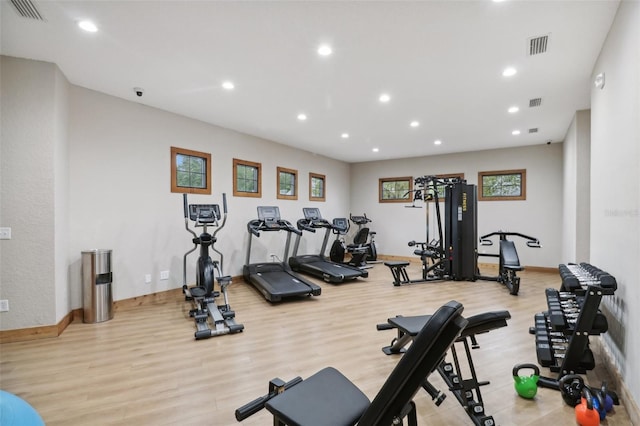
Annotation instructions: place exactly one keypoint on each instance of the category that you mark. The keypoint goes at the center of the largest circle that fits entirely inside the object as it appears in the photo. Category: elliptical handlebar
(224, 216)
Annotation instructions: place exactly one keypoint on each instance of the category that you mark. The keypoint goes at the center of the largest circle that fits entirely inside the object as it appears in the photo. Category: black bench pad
(326, 398)
(480, 323)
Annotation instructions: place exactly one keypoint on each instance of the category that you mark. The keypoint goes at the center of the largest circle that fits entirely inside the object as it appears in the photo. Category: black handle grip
(257, 404)
(251, 408)
(384, 326)
(186, 205)
(224, 203)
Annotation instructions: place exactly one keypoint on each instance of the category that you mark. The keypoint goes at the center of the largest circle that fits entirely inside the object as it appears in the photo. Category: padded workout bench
(329, 398)
(467, 391)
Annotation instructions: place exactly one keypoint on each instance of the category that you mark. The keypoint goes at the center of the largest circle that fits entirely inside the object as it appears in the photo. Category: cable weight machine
(452, 254)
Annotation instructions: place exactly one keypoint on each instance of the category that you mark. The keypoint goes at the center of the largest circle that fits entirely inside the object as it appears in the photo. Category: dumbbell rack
(562, 333)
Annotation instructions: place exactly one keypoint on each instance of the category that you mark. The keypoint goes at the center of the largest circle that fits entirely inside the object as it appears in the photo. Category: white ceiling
(440, 61)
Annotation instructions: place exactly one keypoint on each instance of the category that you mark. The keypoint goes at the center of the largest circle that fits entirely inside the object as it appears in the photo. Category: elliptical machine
(208, 271)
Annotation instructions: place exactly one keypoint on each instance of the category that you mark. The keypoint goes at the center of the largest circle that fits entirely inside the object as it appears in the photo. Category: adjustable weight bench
(329, 398)
(466, 391)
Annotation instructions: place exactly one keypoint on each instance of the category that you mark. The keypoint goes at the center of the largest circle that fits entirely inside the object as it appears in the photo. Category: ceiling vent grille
(27, 9)
(538, 45)
(535, 102)
(533, 130)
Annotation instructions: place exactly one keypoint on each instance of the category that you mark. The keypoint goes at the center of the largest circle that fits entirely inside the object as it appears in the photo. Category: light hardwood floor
(144, 368)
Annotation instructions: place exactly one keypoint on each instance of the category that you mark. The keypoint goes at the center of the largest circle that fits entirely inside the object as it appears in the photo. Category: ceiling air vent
(535, 102)
(533, 130)
(538, 45)
(27, 9)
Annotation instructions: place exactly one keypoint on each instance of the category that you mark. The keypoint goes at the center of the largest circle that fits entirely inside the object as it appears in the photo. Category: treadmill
(275, 280)
(318, 265)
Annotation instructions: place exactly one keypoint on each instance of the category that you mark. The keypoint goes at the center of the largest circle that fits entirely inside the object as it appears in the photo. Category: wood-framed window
(317, 187)
(247, 178)
(395, 189)
(502, 185)
(190, 171)
(440, 188)
(287, 184)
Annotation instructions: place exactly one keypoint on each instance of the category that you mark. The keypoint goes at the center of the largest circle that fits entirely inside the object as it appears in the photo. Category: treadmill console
(204, 213)
(312, 214)
(270, 216)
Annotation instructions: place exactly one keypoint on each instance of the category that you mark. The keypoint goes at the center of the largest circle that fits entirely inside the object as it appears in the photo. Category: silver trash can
(97, 278)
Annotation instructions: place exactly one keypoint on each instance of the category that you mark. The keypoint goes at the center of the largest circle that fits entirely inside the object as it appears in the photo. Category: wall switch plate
(4, 305)
(147, 278)
(164, 275)
(5, 233)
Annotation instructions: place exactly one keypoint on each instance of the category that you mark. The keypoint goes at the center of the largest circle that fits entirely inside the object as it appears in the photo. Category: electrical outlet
(5, 233)
(147, 278)
(4, 305)
(164, 275)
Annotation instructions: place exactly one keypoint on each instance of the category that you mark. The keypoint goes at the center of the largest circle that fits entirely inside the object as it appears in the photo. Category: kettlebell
(586, 415)
(526, 387)
(571, 389)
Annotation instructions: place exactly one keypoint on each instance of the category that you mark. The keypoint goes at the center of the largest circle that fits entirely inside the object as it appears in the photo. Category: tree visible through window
(247, 180)
(502, 185)
(316, 187)
(287, 184)
(395, 190)
(441, 188)
(190, 171)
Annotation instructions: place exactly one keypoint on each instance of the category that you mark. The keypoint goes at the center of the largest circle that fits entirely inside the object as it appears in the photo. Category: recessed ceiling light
(345, 136)
(325, 50)
(513, 109)
(515, 132)
(228, 85)
(414, 124)
(384, 98)
(302, 117)
(375, 150)
(437, 142)
(88, 26)
(508, 72)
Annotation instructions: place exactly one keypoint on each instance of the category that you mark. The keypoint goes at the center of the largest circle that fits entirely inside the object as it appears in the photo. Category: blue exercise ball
(15, 411)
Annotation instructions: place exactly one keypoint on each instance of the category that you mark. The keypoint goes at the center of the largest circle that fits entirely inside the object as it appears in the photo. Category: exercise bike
(208, 271)
(509, 263)
(368, 241)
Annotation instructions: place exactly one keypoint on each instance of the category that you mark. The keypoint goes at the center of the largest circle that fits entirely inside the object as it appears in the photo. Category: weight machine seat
(509, 256)
(477, 324)
(329, 398)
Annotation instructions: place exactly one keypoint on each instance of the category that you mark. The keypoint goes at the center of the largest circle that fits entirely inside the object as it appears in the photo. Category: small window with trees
(190, 171)
(502, 185)
(395, 190)
(287, 184)
(317, 187)
(247, 178)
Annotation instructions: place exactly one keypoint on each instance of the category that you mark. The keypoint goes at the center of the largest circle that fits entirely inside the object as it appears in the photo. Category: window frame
(324, 186)
(523, 185)
(381, 182)
(175, 151)
(236, 192)
(293, 172)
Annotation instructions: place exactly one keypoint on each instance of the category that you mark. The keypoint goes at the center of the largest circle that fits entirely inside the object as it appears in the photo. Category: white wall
(538, 216)
(577, 182)
(120, 199)
(615, 186)
(33, 266)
